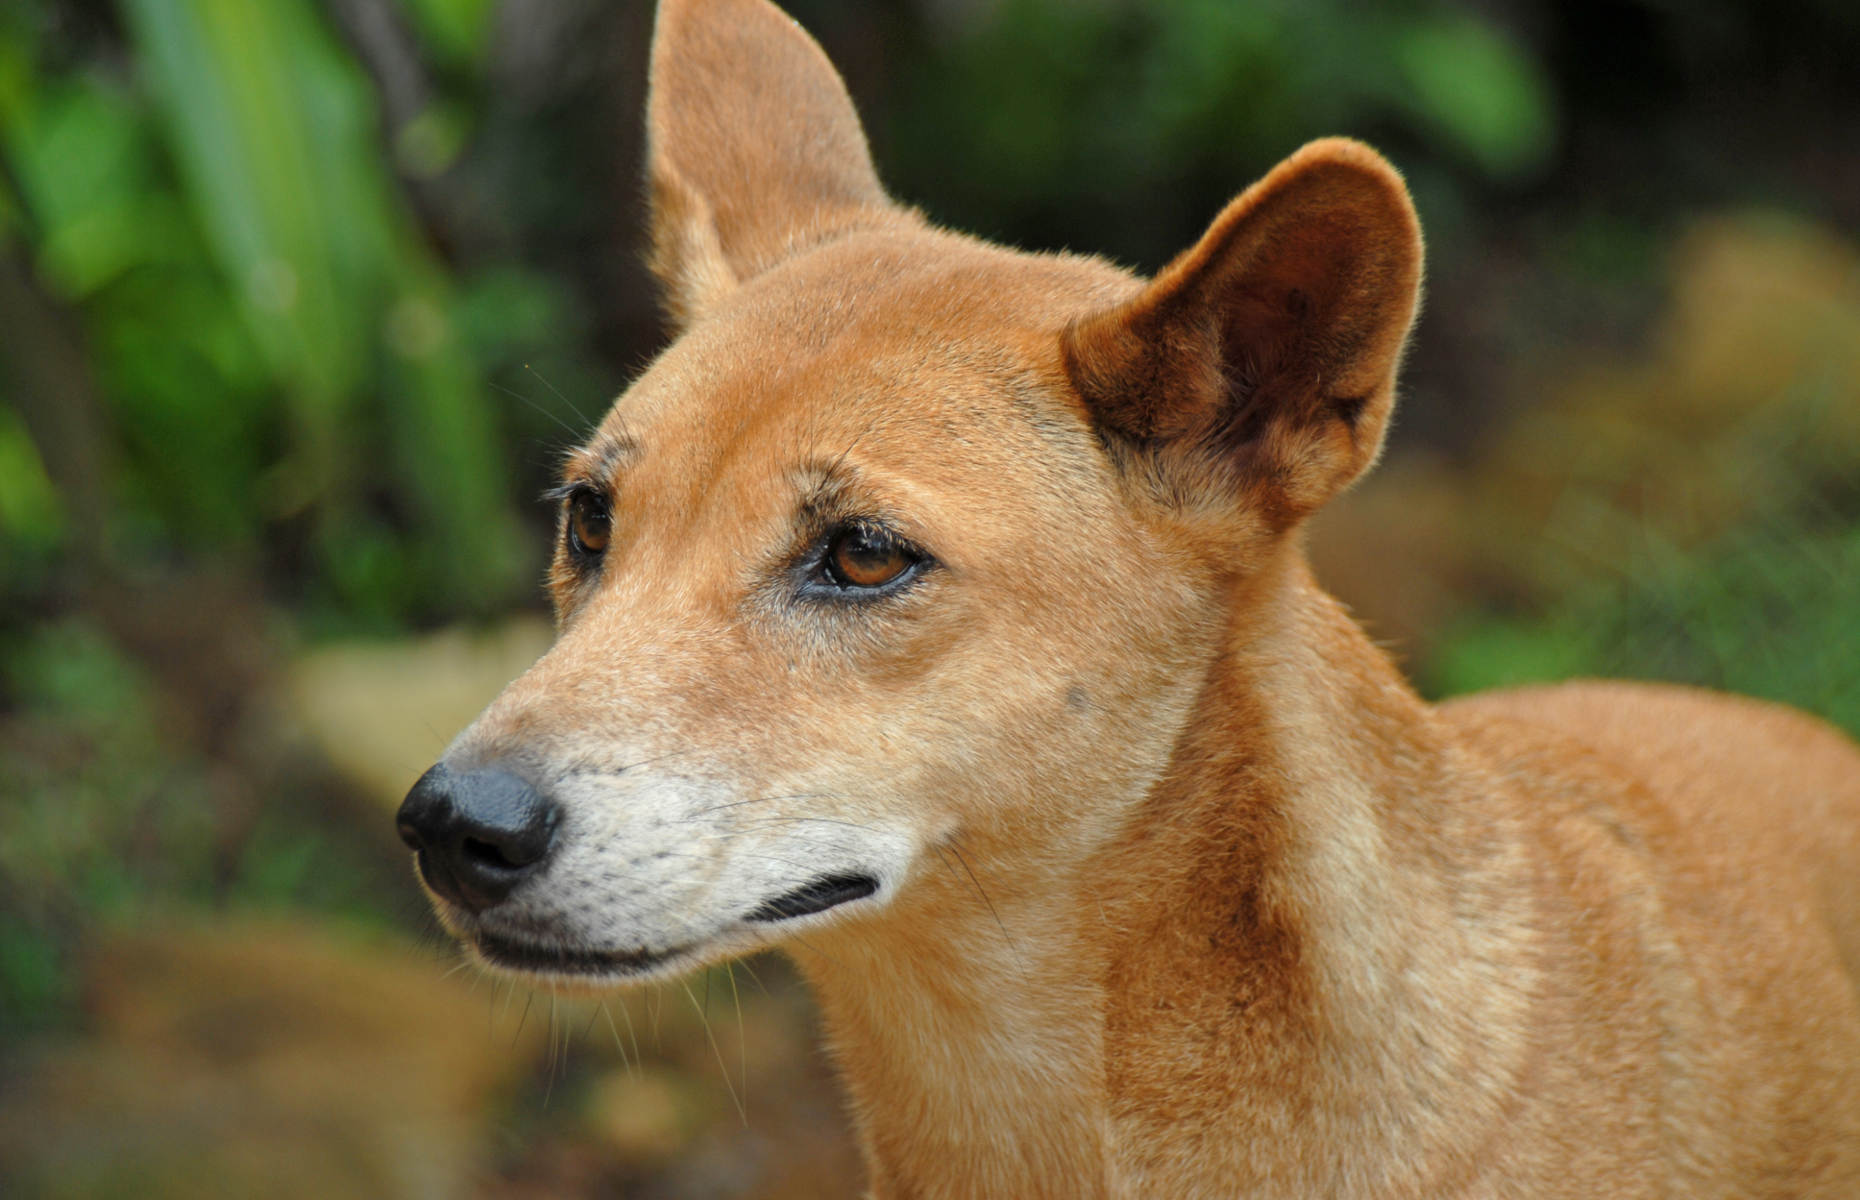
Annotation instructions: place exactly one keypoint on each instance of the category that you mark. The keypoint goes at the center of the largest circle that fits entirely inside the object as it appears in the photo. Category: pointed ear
(1259, 367)
(754, 150)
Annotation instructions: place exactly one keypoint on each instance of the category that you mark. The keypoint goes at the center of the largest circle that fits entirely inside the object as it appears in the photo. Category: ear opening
(754, 150)
(1259, 366)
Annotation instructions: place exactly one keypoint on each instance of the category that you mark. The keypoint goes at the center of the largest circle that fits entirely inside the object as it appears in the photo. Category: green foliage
(83, 159)
(1061, 113)
(457, 30)
(1775, 615)
(108, 819)
(79, 760)
(272, 126)
(1482, 94)
(30, 518)
(291, 385)
(276, 342)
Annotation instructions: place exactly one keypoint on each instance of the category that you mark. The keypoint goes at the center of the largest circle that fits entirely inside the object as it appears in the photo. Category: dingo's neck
(1280, 918)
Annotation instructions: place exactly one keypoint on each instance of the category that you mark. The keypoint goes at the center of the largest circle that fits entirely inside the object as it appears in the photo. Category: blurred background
(301, 301)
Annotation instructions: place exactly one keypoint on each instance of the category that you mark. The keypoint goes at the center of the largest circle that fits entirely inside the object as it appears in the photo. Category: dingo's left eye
(862, 557)
(589, 523)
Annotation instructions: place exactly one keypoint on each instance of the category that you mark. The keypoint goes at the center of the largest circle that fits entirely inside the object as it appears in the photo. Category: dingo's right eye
(589, 523)
(867, 558)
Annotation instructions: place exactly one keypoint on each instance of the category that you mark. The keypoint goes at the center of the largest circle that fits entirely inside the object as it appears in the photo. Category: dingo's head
(908, 541)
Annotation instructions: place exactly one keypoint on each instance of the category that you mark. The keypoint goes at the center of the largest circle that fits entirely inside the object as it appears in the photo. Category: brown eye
(589, 524)
(865, 558)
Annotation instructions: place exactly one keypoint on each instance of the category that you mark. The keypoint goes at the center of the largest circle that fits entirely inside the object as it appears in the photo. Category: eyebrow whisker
(570, 429)
(581, 416)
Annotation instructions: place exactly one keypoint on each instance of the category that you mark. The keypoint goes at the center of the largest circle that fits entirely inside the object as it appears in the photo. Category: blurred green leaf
(266, 118)
(1155, 103)
(18, 80)
(274, 129)
(1477, 88)
(36, 990)
(458, 30)
(1775, 613)
(193, 404)
(432, 142)
(30, 515)
(448, 449)
(80, 153)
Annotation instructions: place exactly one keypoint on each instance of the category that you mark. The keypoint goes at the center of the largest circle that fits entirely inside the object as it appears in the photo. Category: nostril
(503, 823)
(487, 854)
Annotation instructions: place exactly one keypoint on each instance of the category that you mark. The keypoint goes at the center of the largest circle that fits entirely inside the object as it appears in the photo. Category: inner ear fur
(754, 150)
(1259, 366)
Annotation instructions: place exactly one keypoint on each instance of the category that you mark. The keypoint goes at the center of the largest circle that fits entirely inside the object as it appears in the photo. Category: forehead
(877, 346)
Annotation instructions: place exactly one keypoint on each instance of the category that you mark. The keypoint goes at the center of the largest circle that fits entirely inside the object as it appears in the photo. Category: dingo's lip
(543, 959)
(816, 896)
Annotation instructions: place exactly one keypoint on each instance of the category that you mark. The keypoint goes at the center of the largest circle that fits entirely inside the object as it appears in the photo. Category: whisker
(550, 1061)
(1013, 946)
(626, 1014)
(646, 762)
(742, 1037)
(767, 800)
(585, 770)
(620, 1049)
(752, 974)
(569, 429)
(808, 871)
(814, 820)
(711, 1035)
(523, 1018)
(510, 992)
(581, 416)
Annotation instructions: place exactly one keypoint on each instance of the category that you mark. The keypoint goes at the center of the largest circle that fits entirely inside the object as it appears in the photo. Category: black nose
(476, 835)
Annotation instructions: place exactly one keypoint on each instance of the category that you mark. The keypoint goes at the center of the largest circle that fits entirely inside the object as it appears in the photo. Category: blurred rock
(696, 1091)
(264, 1059)
(383, 711)
(648, 1115)
(1746, 408)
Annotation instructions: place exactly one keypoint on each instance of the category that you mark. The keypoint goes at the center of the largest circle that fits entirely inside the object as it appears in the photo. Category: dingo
(944, 605)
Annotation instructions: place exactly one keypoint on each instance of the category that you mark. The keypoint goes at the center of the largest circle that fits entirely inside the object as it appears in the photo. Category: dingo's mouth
(546, 958)
(541, 959)
(828, 891)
